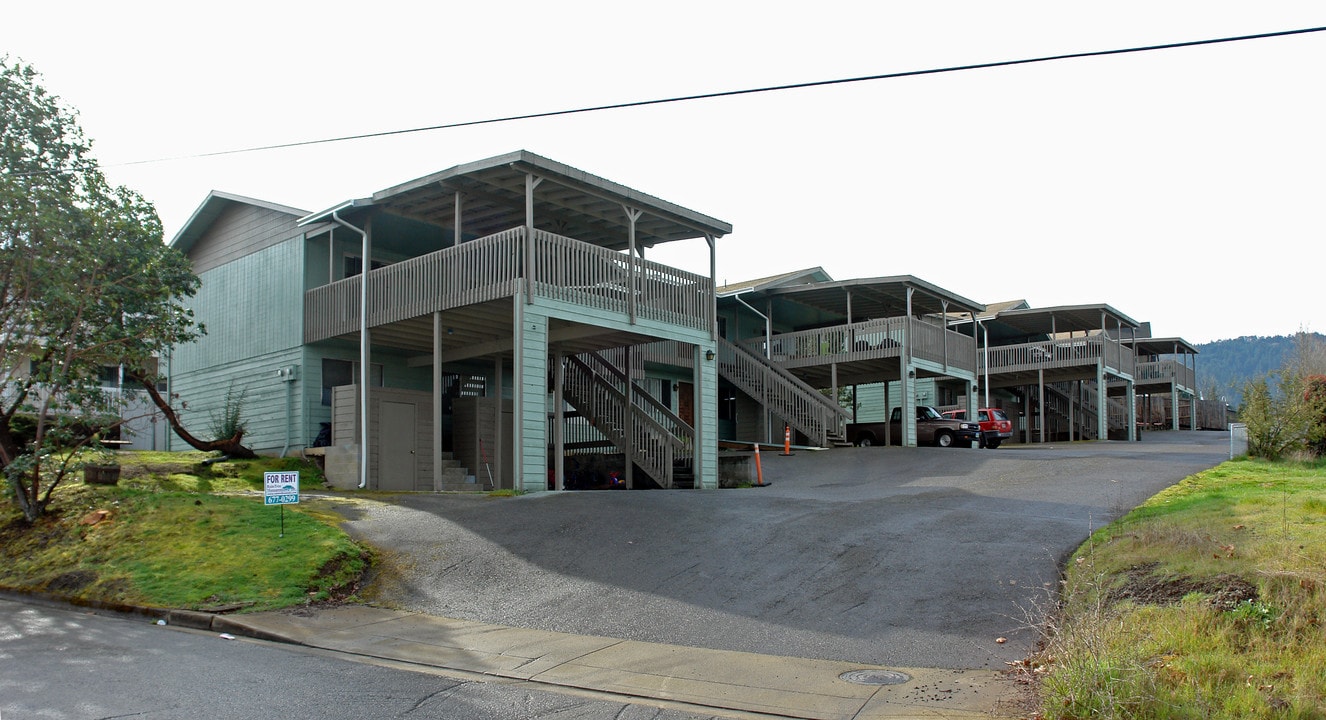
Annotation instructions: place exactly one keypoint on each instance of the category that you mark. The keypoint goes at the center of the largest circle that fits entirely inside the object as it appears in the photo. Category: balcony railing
(492, 267)
(1165, 371)
(870, 340)
(1058, 354)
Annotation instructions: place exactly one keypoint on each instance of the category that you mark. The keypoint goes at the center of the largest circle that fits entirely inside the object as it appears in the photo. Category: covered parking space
(867, 331)
(1166, 370)
(1077, 344)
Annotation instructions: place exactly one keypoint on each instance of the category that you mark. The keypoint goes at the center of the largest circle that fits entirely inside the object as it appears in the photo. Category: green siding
(250, 307)
(531, 412)
(396, 373)
(267, 408)
(706, 419)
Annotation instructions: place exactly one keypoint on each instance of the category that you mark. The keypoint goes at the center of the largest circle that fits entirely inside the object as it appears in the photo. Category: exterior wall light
(709, 355)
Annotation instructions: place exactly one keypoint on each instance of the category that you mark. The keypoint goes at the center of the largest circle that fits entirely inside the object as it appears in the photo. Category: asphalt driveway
(916, 557)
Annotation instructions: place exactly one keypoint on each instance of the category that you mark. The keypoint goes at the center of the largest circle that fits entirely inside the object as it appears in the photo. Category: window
(109, 376)
(336, 373)
(727, 404)
(354, 265)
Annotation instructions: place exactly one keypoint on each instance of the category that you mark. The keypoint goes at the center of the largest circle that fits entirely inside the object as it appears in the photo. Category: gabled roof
(568, 202)
(211, 208)
(796, 277)
(991, 310)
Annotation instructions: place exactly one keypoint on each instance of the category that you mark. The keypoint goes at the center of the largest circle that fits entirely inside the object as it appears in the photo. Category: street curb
(236, 626)
(192, 619)
(46, 598)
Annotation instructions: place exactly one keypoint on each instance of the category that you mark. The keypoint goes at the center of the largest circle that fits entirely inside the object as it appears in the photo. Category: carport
(1078, 344)
(869, 330)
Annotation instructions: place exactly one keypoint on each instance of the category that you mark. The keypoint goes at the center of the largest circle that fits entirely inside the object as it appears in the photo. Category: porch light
(709, 355)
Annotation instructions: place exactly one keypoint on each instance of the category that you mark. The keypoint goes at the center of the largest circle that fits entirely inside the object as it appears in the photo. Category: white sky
(1183, 187)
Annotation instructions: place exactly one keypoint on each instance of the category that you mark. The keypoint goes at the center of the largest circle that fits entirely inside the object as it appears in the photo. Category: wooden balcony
(866, 351)
(1164, 375)
(1057, 361)
(493, 268)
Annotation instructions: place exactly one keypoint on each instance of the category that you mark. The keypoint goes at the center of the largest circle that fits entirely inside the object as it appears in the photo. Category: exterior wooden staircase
(647, 432)
(803, 407)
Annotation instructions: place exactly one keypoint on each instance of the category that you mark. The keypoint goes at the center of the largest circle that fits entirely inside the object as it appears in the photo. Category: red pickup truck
(995, 425)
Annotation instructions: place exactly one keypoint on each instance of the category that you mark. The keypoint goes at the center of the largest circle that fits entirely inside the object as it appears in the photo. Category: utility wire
(735, 93)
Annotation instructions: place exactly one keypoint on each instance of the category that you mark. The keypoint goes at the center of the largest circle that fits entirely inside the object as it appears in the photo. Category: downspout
(768, 327)
(289, 410)
(768, 355)
(363, 349)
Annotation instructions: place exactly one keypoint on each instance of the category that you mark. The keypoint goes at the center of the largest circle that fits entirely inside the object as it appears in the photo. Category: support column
(531, 182)
(455, 223)
(1072, 414)
(704, 462)
(1040, 401)
(499, 447)
(1102, 403)
(1131, 396)
(888, 427)
(559, 421)
(712, 303)
(529, 398)
(908, 375)
(833, 380)
(629, 454)
(437, 402)
(632, 215)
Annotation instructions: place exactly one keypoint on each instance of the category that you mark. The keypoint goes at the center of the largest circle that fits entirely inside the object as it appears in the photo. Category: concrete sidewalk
(716, 679)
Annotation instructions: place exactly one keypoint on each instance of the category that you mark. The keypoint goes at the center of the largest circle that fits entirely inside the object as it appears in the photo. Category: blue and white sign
(280, 488)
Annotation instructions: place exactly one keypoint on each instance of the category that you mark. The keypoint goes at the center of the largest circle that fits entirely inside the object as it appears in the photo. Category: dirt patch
(130, 470)
(1143, 586)
(70, 583)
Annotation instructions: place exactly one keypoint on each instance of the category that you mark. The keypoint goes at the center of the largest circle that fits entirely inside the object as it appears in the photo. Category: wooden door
(397, 449)
(686, 402)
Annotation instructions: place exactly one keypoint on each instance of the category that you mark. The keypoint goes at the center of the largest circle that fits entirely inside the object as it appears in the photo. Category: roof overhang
(878, 297)
(1065, 318)
(1162, 346)
(567, 202)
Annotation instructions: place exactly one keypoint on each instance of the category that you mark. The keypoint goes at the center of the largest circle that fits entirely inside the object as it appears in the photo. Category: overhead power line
(735, 93)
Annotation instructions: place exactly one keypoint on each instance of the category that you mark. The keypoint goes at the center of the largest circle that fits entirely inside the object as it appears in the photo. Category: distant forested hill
(1227, 364)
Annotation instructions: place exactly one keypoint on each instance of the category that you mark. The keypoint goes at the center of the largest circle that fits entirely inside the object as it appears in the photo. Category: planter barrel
(101, 474)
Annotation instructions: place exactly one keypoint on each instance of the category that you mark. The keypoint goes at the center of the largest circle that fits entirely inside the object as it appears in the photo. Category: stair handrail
(642, 394)
(798, 403)
(618, 395)
(785, 374)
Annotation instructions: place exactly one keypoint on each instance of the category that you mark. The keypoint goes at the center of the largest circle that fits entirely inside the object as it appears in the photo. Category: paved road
(71, 665)
(916, 557)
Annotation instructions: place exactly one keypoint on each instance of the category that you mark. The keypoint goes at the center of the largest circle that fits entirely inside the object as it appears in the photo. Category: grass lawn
(1208, 601)
(178, 534)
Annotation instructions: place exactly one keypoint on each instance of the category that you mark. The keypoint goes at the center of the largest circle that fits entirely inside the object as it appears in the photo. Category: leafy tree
(85, 283)
(1314, 394)
(1283, 411)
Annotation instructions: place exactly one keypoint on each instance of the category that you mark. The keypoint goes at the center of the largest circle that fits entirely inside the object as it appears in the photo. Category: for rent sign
(280, 488)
